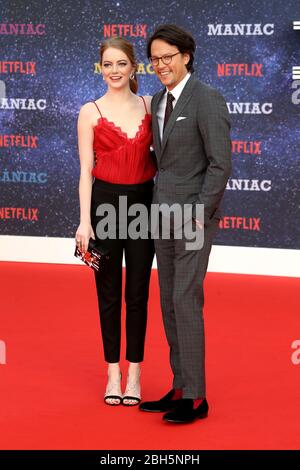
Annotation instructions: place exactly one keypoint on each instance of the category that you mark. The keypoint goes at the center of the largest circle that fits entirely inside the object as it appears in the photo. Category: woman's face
(116, 68)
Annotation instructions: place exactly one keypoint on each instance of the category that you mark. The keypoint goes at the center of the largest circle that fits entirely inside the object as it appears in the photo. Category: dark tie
(169, 108)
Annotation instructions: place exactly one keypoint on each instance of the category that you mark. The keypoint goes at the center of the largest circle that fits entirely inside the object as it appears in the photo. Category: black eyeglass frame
(155, 60)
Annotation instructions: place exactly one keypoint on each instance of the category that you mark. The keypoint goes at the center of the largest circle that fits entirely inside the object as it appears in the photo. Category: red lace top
(119, 158)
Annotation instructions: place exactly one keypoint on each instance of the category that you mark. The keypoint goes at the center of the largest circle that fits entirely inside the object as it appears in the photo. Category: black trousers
(138, 258)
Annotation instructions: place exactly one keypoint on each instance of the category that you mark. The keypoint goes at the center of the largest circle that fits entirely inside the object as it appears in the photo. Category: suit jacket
(194, 158)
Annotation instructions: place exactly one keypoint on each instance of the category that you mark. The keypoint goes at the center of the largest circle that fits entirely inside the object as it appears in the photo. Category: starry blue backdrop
(65, 62)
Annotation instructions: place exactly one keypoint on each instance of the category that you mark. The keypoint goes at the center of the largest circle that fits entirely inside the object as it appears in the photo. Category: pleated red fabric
(121, 159)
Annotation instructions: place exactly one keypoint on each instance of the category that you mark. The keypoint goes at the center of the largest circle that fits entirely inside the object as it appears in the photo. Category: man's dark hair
(175, 36)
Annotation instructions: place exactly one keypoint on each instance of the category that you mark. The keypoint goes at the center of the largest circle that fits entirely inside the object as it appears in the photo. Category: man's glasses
(166, 59)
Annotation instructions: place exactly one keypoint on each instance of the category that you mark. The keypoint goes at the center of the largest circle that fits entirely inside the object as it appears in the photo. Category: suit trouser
(181, 274)
(138, 258)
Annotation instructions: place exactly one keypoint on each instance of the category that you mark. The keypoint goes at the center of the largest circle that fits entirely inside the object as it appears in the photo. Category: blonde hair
(125, 46)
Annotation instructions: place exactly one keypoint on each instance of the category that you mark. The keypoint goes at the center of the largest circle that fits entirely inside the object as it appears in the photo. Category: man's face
(169, 74)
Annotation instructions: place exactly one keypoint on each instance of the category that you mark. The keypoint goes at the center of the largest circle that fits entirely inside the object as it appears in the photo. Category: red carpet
(54, 378)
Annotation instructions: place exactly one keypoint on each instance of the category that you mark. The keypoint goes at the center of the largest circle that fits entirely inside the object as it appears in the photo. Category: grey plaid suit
(194, 163)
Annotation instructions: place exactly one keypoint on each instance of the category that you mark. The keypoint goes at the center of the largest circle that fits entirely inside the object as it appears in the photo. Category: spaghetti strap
(97, 108)
(144, 104)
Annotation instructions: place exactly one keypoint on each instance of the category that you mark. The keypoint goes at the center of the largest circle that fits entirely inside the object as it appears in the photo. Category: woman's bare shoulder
(88, 111)
(87, 108)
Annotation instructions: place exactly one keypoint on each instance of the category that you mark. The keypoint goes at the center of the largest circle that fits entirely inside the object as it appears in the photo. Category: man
(192, 145)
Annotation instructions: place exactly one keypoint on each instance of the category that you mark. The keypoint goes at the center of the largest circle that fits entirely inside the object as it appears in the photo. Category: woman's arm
(86, 155)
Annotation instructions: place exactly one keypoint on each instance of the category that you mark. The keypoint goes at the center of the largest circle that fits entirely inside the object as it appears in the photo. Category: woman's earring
(131, 76)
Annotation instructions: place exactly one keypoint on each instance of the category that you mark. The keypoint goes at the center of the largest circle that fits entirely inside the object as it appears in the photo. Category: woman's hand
(83, 234)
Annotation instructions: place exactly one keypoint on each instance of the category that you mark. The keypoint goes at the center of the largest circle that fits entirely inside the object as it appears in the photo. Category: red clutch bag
(95, 257)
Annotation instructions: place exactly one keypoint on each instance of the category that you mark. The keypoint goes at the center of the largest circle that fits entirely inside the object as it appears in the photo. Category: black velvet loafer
(186, 413)
(166, 403)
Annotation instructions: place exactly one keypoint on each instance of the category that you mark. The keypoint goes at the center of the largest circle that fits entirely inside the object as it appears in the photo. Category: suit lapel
(155, 128)
(181, 103)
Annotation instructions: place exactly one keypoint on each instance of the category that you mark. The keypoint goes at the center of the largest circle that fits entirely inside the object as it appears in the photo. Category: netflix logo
(23, 141)
(240, 223)
(240, 70)
(19, 213)
(28, 68)
(244, 147)
(130, 30)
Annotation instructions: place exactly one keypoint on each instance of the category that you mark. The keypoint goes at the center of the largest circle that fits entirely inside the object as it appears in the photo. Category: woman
(117, 127)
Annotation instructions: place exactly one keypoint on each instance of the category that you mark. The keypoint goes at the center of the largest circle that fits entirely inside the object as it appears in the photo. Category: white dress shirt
(176, 92)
